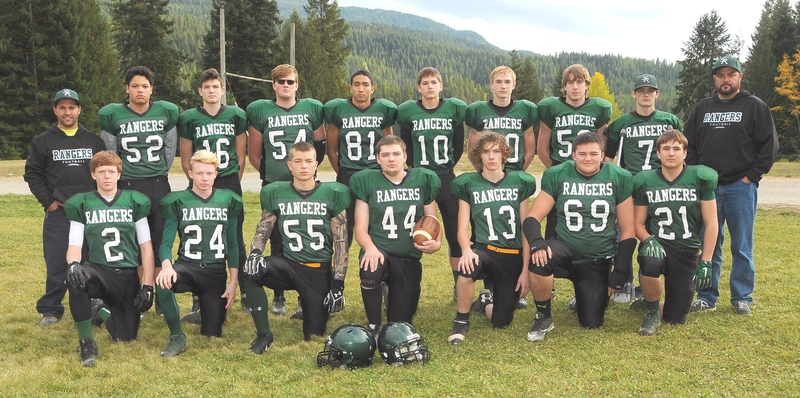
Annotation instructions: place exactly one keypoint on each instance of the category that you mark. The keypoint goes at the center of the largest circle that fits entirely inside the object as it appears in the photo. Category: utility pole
(222, 52)
(291, 46)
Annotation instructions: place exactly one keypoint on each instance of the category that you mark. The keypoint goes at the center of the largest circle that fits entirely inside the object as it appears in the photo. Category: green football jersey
(140, 138)
(304, 220)
(359, 130)
(494, 207)
(674, 207)
(282, 128)
(395, 208)
(110, 227)
(215, 133)
(566, 122)
(511, 121)
(641, 132)
(586, 207)
(432, 131)
(203, 224)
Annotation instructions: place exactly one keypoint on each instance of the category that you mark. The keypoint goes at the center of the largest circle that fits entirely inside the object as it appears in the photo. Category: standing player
(205, 219)
(354, 127)
(219, 129)
(640, 129)
(388, 204)
(492, 202)
(678, 201)
(589, 196)
(310, 216)
(433, 132)
(113, 222)
(733, 133)
(56, 169)
(143, 134)
(274, 126)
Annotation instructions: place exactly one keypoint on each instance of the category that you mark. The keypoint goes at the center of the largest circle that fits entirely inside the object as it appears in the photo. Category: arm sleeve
(170, 143)
(405, 135)
(458, 142)
(170, 229)
(76, 233)
(110, 141)
(142, 231)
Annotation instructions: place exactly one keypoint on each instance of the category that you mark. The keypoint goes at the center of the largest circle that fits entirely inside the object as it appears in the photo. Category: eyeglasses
(286, 81)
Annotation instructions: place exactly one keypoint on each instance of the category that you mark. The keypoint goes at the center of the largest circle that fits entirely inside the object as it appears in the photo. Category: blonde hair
(577, 71)
(283, 71)
(205, 157)
(503, 69)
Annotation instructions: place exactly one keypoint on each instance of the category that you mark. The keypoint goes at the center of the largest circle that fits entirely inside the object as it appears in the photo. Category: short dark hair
(587, 138)
(671, 135)
(301, 146)
(362, 72)
(139, 71)
(210, 74)
(390, 140)
(428, 71)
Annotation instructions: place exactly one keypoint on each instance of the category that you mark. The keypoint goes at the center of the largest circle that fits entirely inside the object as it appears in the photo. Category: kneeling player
(311, 219)
(205, 219)
(388, 204)
(112, 222)
(492, 202)
(679, 201)
(589, 196)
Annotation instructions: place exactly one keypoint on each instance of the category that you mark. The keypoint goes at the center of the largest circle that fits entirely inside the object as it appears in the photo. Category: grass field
(714, 354)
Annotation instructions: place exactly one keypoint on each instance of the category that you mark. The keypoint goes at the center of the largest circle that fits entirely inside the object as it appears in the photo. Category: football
(425, 229)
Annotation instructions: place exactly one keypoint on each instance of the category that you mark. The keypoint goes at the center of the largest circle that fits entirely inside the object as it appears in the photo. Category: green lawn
(714, 354)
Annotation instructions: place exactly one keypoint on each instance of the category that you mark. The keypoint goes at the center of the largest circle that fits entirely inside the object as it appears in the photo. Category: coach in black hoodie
(57, 168)
(733, 133)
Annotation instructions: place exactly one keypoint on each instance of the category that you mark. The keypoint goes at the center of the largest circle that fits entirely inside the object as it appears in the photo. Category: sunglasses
(286, 81)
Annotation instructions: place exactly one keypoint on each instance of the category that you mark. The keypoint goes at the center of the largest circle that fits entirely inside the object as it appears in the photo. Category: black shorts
(504, 270)
(209, 285)
(154, 188)
(448, 207)
(117, 287)
(678, 269)
(589, 277)
(403, 276)
(312, 284)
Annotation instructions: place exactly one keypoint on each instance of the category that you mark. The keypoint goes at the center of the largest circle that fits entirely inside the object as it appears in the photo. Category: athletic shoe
(652, 320)
(175, 346)
(279, 305)
(298, 314)
(97, 305)
(245, 306)
(552, 291)
(625, 294)
(89, 352)
(485, 297)
(385, 293)
(638, 304)
(158, 309)
(261, 344)
(540, 328)
(572, 304)
(48, 321)
(194, 315)
(375, 330)
(700, 306)
(522, 303)
(743, 308)
(460, 329)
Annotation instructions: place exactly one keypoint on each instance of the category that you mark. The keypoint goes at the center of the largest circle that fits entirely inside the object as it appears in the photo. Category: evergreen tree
(759, 76)
(556, 89)
(784, 34)
(251, 46)
(326, 30)
(528, 85)
(599, 89)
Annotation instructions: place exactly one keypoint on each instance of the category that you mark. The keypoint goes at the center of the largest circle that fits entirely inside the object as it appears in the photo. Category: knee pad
(649, 266)
(371, 280)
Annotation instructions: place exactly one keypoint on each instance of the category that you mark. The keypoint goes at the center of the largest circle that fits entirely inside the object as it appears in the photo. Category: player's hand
(702, 275)
(76, 276)
(55, 205)
(230, 294)
(254, 265)
(335, 298)
(468, 261)
(651, 248)
(523, 283)
(616, 280)
(429, 246)
(542, 256)
(371, 260)
(144, 300)
(166, 277)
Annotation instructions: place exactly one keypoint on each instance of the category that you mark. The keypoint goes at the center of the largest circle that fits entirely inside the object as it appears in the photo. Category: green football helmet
(400, 344)
(348, 347)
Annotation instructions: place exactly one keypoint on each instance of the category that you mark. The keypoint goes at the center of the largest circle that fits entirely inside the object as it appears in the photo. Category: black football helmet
(348, 347)
(400, 344)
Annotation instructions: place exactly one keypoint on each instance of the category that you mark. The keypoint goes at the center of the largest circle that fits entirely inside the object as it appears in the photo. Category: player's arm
(468, 260)
(186, 155)
(600, 131)
(241, 152)
(232, 246)
(110, 141)
(433, 245)
(387, 131)
(319, 143)
(529, 146)
(170, 144)
(708, 210)
(532, 229)
(146, 256)
(471, 142)
(339, 229)
(256, 144)
(167, 276)
(523, 282)
(75, 248)
(640, 218)
(543, 147)
(372, 256)
(458, 142)
(333, 146)
(263, 231)
(405, 136)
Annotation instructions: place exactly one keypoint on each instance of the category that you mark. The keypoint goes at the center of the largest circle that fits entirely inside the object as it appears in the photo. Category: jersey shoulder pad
(528, 180)
(169, 106)
(110, 109)
(549, 101)
(333, 103)
(406, 105)
(255, 105)
(706, 173)
(475, 105)
(139, 198)
(456, 102)
(73, 207)
(616, 170)
(386, 103)
(527, 103)
(238, 111)
(312, 102)
(601, 102)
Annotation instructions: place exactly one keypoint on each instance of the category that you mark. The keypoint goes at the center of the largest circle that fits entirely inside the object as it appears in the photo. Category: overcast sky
(633, 28)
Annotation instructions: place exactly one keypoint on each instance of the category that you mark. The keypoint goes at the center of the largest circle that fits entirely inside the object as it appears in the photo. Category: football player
(640, 129)
(589, 196)
(492, 202)
(674, 202)
(274, 126)
(310, 216)
(205, 219)
(389, 202)
(219, 129)
(113, 223)
(355, 125)
(433, 131)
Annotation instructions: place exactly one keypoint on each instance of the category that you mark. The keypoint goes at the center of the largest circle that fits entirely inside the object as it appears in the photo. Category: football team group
(111, 221)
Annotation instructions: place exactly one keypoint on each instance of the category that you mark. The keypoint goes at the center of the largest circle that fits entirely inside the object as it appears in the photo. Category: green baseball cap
(66, 94)
(646, 81)
(728, 61)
